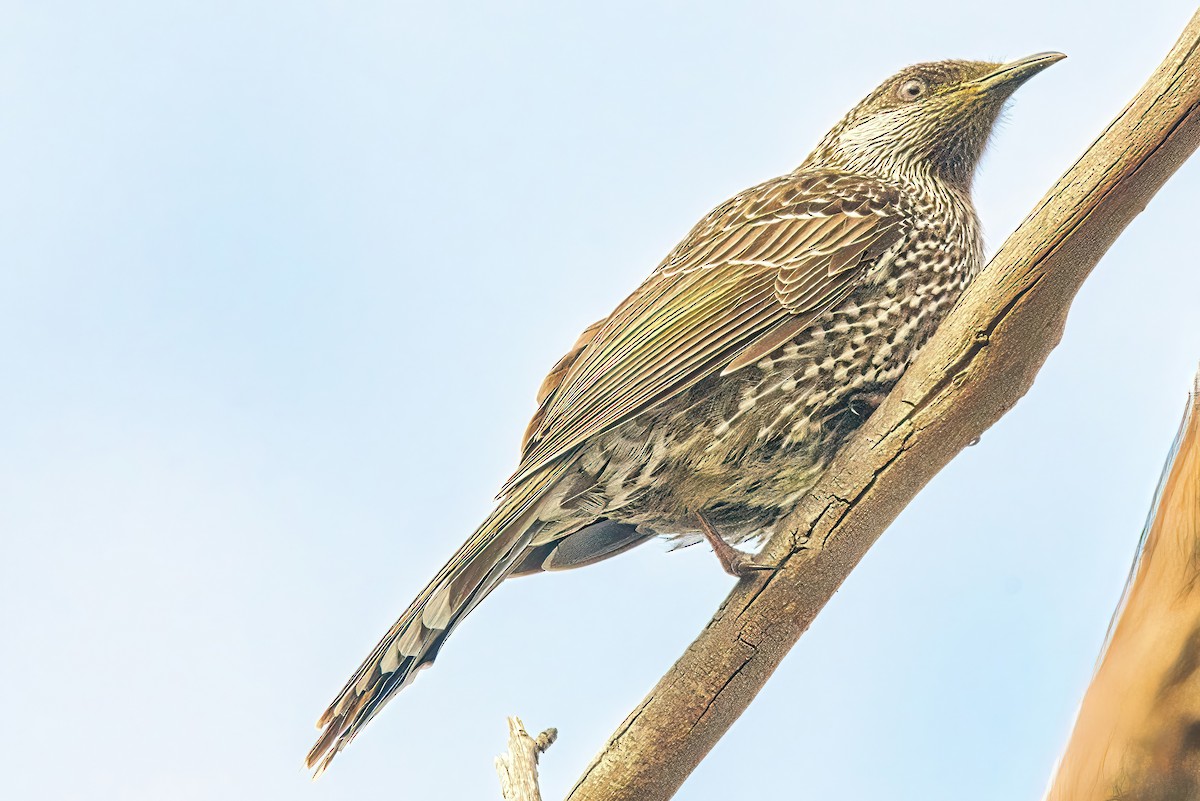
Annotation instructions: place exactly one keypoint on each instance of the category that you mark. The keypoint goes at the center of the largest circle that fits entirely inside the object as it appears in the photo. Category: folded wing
(750, 276)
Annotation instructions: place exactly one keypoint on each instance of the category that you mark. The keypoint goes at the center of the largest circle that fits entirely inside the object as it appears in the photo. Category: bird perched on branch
(712, 398)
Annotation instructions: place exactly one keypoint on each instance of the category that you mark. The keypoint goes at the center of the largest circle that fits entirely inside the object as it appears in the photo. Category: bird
(713, 397)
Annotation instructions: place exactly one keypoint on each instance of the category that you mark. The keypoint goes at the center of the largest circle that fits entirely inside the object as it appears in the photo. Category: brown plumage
(723, 386)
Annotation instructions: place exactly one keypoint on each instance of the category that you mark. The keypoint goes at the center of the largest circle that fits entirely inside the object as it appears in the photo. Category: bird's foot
(736, 563)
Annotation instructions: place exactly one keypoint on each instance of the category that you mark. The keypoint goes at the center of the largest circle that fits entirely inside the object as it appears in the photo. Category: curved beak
(1015, 73)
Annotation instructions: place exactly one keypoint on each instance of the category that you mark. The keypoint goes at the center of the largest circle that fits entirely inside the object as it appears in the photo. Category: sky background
(278, 282)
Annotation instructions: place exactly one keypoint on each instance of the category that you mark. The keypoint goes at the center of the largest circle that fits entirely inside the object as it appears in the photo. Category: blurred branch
(1138, 731)
(978, 364)
(518, 768)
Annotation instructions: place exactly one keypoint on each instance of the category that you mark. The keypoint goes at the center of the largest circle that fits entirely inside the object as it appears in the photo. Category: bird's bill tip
(1044, 59)
(1015, 73)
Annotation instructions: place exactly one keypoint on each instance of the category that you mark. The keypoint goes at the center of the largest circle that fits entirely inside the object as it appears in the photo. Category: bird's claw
(744, 564)
(736, 563)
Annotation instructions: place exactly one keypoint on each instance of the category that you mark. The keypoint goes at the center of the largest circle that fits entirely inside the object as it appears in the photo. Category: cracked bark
(1138, 731)
(979, 363)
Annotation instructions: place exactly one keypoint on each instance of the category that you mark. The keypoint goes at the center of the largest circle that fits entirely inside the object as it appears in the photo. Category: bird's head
(928, 119)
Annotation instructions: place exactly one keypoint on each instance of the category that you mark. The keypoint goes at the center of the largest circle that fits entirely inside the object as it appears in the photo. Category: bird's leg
(736, 563)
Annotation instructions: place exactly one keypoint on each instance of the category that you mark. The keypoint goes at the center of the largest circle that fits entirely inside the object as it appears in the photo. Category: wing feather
(751, 275)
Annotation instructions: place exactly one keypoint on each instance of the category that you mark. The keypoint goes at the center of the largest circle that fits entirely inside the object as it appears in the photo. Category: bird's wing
(755, 272)
(550, 383)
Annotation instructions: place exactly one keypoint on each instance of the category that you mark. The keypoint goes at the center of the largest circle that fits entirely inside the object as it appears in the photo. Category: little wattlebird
(714, 396)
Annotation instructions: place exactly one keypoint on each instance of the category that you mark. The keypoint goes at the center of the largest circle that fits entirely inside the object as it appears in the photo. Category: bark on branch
(975, 368)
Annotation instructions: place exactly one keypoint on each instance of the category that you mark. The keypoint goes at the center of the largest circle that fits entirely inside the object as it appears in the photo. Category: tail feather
(411, 644)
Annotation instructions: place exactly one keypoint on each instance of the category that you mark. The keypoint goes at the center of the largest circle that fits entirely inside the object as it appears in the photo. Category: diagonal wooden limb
(975, 368)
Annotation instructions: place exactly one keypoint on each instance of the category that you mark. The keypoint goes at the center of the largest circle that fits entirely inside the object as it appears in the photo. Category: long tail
(413, 642)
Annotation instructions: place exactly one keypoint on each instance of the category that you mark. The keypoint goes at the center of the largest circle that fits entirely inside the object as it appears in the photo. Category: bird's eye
(911, 89)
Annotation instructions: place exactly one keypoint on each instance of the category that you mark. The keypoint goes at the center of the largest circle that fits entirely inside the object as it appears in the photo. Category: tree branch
(977, 365)
(1138, 731)
(518, 768)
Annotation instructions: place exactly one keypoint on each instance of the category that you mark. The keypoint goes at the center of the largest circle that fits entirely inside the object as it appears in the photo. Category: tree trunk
(1138, 731)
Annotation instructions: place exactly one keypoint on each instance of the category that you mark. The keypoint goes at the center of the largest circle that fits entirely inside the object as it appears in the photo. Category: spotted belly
(745, 448)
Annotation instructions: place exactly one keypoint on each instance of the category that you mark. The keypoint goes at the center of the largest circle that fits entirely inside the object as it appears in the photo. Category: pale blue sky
(278, 282)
